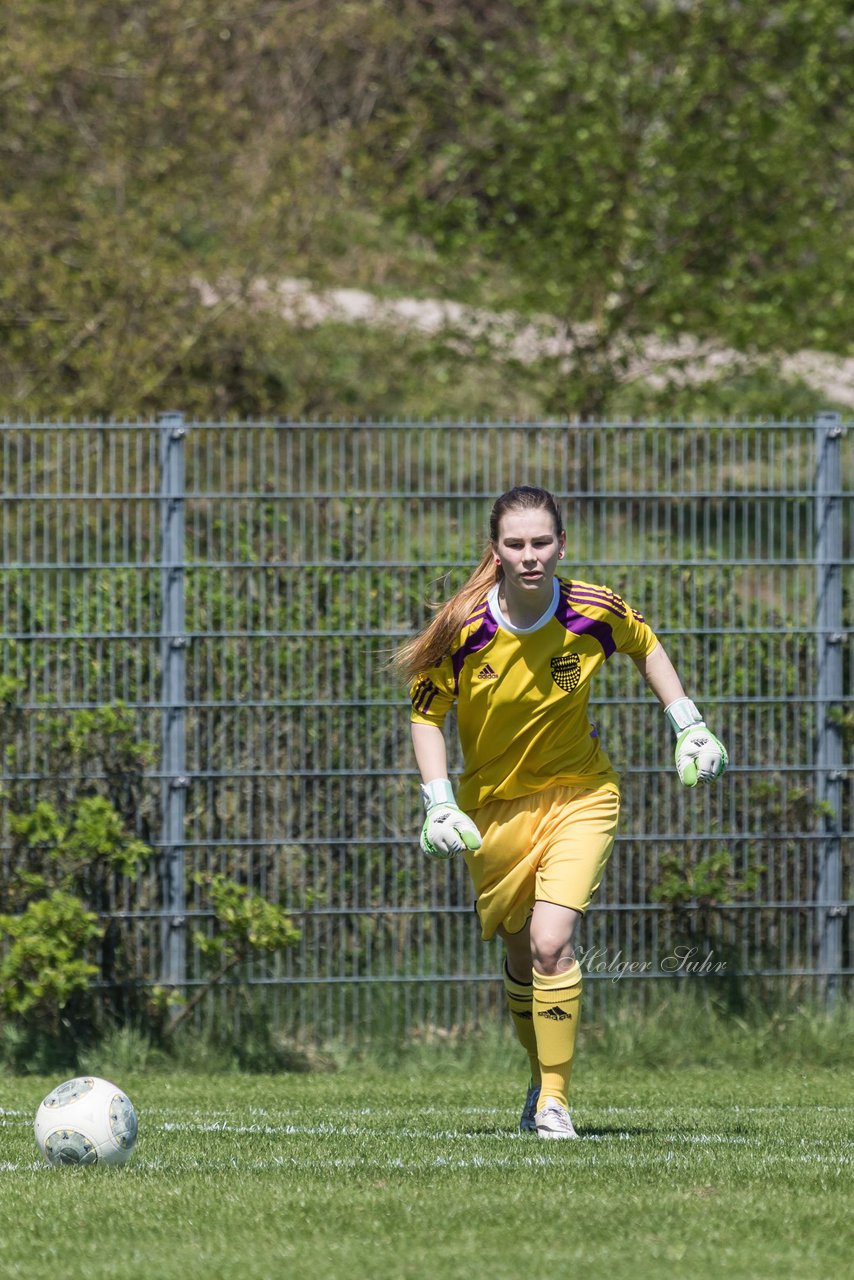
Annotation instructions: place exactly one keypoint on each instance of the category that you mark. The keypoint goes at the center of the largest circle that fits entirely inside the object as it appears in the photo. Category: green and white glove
(447, 830)
(700, 756)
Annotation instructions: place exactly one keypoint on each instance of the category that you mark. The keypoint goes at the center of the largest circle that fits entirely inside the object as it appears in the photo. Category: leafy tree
(637, 168)
(44, 964)
(148, 150)
(246, 926)
(628, 168)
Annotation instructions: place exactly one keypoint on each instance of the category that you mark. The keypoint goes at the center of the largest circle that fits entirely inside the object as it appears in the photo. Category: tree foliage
(44, 963)
(146, 148)
(640, 168)
(73, 858)
(629, 168)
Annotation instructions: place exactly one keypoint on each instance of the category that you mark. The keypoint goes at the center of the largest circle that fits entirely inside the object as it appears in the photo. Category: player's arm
(700, 756)
(447, 830)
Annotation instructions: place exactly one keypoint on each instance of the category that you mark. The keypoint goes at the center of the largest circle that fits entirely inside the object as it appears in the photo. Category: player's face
(528, 548)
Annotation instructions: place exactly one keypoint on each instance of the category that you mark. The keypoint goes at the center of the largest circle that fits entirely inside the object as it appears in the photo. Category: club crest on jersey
(566, 671)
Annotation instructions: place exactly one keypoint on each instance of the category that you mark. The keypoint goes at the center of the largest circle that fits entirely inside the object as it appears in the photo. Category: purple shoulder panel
(478, 639)
(582, 625)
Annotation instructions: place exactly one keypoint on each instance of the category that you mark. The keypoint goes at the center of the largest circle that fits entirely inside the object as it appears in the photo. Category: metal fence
(240, 586)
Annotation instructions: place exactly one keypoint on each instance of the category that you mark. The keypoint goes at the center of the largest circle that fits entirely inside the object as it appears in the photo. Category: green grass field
(718, 1172)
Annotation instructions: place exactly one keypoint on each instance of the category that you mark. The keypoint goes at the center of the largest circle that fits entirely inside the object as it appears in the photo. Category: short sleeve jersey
(522, 695)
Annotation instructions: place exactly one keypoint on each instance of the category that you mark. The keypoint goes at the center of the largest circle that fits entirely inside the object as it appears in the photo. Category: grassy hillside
(634, 172)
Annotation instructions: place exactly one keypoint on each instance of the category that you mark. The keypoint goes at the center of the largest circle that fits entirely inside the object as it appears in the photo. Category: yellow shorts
(549, 847)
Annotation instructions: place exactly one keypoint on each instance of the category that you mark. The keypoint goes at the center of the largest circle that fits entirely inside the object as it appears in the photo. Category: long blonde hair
(430, 646)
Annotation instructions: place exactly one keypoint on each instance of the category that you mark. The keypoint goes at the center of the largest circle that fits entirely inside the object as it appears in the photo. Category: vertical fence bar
(173, 699)
(829, 694)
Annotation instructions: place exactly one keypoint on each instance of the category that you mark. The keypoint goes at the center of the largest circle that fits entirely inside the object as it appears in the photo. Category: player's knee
(551, 953)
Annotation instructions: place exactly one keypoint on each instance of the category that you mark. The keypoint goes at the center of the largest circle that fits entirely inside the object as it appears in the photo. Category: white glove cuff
(682, 714)
(439, 791)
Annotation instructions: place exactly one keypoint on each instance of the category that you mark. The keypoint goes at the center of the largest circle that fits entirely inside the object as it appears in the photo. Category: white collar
(503, 621)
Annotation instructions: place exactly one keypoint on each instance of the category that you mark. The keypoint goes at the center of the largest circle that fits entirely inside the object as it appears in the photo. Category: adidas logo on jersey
(555, 1013)
(486, 673)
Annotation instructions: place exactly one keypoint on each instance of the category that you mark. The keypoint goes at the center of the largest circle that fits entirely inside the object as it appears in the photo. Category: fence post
(173, 699)
(829, 695)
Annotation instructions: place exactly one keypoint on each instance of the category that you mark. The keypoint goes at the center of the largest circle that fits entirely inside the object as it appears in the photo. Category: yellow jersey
(522, 693)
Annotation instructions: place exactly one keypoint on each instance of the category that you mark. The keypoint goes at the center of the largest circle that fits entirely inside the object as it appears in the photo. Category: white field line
(578, 1152)
(219, 1122)
(210, 1117)
(673, 1149)
(684, 1139)
(589, 1150)
(614, 1110)
(686, 361)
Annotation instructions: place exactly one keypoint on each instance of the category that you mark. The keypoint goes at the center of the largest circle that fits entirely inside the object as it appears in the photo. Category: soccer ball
(86, 1121)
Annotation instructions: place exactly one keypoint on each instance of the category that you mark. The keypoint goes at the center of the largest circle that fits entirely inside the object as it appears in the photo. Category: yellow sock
(557, 1008)
(520, 996)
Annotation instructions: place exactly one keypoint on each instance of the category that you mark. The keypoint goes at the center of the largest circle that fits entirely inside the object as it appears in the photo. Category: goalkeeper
(536, 809)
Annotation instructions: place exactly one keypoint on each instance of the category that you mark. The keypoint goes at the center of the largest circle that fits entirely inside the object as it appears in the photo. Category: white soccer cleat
(528, 1120)
(554, 1122)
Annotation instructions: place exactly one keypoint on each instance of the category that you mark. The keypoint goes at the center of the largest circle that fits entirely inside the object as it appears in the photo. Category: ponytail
(434, 643)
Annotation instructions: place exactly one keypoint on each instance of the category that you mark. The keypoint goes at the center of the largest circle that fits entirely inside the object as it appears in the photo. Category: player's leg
(556, 1006)
(518, 988)
(580, 825)
(517, 947)
(503, 874)
(519, 992)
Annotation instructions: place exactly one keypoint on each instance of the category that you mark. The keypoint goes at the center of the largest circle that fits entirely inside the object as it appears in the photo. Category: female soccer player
(538, 801)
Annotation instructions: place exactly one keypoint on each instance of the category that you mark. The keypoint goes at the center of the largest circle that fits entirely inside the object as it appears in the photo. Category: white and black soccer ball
(86, 1121)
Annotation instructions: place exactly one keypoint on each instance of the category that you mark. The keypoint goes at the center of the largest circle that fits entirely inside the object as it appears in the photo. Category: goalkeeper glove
(447, 830)
(700, 756)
